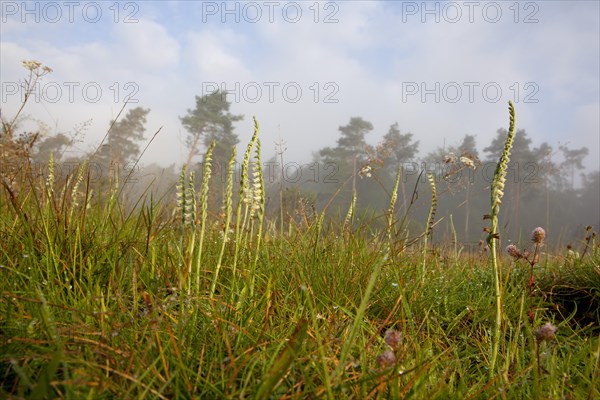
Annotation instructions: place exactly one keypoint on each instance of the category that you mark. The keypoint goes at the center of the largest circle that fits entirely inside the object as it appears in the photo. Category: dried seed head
(538, 235)
(545, 332)
(469, 160)
(386, 359)
(513, 251)
(393, 338)
(31, 64)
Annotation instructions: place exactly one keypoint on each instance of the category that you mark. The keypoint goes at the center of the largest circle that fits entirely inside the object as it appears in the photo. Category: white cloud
(147, 45)
(214, 54)
(368, 54)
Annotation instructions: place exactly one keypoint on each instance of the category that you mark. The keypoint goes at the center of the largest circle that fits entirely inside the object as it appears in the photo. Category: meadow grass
(103, 300)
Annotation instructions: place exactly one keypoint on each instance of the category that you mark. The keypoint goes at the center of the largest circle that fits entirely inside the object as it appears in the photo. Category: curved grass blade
(283, 362)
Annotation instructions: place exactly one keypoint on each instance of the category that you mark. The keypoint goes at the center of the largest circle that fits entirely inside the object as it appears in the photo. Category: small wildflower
(513, 251)
(468, 162)
(386, 359)
(545, 332)
(226, 234)
(365, 171)
(572, 255)
(450, 158)
(393, 338)
(538, 235)
(31, 64)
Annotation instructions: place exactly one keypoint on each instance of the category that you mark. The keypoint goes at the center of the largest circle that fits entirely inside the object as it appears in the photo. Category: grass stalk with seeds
(259, 208)
(191, 221)
(245, 198)
(497, 192)
(203, 210)
(350, 214)
(227, 202)
(430, 221)
(391, 213)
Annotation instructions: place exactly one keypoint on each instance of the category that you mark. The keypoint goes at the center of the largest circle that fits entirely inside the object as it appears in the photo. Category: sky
(303, 69)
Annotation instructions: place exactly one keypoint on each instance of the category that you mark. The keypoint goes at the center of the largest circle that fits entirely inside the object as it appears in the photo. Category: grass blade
(283, 362)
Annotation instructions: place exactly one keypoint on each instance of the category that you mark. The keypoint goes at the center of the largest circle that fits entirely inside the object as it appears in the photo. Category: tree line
(542, 184)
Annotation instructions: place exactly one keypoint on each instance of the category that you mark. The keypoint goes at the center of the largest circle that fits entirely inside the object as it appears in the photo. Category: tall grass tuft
(284, 360)
(91, 309)
(75, 191)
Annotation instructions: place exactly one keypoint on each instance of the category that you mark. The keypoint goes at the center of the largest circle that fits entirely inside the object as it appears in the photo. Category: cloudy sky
(439, 69)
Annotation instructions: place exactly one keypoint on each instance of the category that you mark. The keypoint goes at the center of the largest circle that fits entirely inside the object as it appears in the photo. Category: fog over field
(441, 70)
(300, 199)
(342, 91)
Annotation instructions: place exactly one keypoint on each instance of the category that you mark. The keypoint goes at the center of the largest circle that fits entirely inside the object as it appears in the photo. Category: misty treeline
(546, 186)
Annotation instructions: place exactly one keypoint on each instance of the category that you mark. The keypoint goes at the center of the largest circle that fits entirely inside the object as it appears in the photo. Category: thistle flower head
(538, 235)
(545, 332)
(393, 338)
(513, 251)
(386, 359)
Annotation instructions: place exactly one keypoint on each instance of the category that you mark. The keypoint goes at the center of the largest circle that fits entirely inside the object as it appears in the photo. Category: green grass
(102, 302)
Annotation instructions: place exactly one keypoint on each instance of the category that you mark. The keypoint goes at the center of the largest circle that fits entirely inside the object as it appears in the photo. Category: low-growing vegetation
(167, 299)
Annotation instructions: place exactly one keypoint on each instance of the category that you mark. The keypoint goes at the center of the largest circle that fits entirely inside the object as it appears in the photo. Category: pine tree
(122, 145)
(211, 120)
